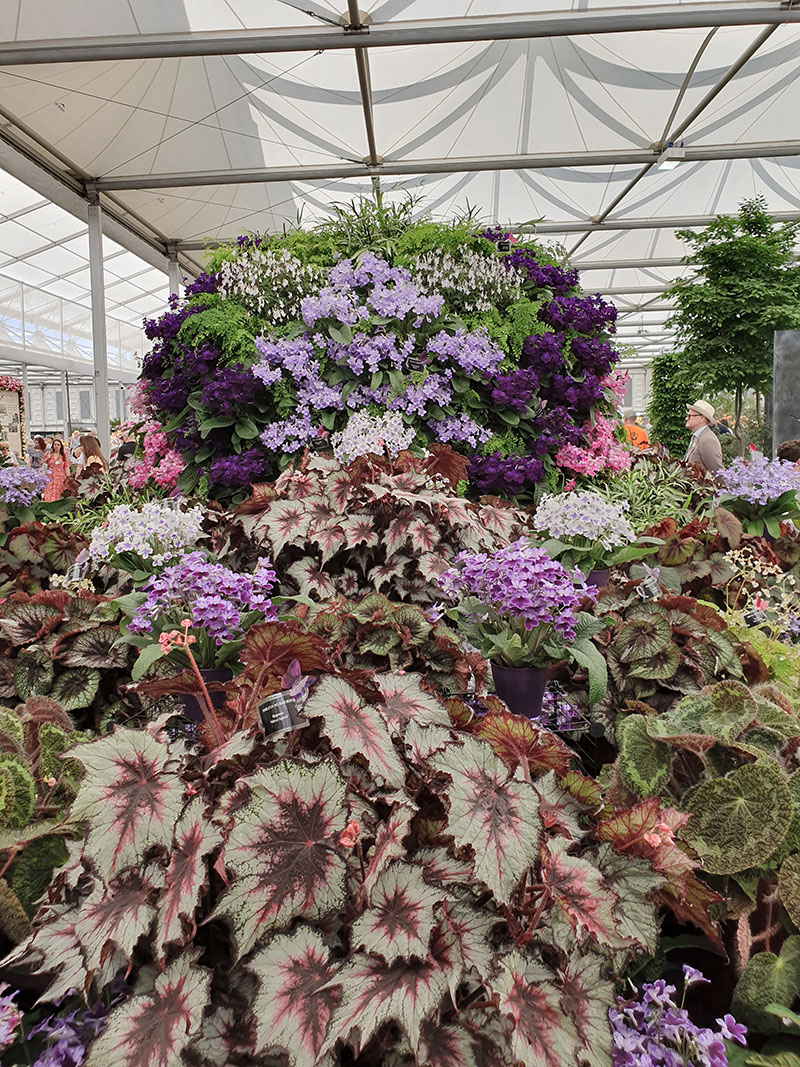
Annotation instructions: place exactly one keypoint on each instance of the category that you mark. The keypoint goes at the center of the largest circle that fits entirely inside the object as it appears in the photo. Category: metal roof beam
(456, 165)
(628, 264)
(673, 222)
(627, 19)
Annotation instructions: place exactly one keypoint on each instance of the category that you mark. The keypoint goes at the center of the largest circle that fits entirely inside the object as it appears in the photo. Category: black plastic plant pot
(279, 715)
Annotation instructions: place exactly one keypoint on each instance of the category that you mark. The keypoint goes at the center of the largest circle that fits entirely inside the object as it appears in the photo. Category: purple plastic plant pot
(192, 708)
(522, 688)
(598, 578)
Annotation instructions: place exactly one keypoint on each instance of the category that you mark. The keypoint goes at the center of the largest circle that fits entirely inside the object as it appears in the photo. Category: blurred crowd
(74, 458)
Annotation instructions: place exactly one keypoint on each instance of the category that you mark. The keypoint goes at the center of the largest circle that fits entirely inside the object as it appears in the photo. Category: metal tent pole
(173, 271)
(99, 325)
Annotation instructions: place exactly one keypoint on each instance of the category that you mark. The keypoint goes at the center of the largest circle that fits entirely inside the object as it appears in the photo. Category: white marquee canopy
(189, 120)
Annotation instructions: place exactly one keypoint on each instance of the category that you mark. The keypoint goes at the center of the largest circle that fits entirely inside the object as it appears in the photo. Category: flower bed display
(500, 356)
(340, 847)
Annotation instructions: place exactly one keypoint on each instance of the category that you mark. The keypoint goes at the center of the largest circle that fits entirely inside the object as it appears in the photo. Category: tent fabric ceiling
(559, 95)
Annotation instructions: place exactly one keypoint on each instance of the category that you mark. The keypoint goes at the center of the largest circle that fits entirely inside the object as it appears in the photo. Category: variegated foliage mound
(381, 888)
(373, 526)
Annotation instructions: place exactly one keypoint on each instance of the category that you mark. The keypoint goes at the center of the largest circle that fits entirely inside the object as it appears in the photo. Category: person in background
(127, 448)
(57, 462)
(36, 454)
(704, 448)
(637, 436)
(723, 428)
(93, 458)
(74, 444)
(790, 451)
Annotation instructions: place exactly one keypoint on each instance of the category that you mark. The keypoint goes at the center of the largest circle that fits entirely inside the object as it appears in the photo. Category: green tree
(671, 391)
(746, 287)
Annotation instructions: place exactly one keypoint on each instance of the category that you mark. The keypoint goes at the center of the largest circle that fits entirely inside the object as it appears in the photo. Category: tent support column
(65, 428)
(99, 324)
(173, 270)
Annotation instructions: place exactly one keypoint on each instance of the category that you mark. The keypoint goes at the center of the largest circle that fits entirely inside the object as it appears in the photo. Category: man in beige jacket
(704, 447)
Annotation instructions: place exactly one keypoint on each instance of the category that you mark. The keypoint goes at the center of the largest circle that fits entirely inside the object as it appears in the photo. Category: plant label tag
(279, 715)
(648, 588)
(414, 363)
(755, 617)
(76, 572)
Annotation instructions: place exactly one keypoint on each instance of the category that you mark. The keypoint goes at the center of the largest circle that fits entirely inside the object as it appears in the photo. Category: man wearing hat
(637, 436)
(704, 447)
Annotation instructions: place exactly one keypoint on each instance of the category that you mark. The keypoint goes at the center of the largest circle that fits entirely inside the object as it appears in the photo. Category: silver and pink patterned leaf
(355, 728)
(299, 485)
(281, 850)
(501, 521)
(633, 881)
(329, 539)
(541, 1036)
(54, 949)
(130, 797)
(424, 536)
(385, 573)
(187, 874)
(360, 529)
(397, 532)
(586, 996)
(559, 810)
(472, 928)
(407, 992)
(399, 920)
(321, 510)
(388, 842)
(297, 996)
(311, 578)
(445, 1046)
(221, 1035)
(404, 701)
(152, 1029)
(432, 564)
(286, 522)
(577, 887)
(423, 741)
(491, 813)
(115, 916)
(340, 488)
(438, 866)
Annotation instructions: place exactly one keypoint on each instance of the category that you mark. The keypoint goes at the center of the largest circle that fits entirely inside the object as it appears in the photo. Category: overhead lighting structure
(672, 155)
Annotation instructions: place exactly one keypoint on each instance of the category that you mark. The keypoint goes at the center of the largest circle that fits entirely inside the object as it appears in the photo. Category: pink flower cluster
(161, 463)
(616, 381)
(601, 452)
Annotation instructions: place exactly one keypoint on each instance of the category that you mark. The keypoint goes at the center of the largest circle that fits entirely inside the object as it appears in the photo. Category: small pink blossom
(350, 835)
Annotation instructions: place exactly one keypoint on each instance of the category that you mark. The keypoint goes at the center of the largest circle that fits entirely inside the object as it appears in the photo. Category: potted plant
(142, 541)
(521, 609)
(586, 531)
(196, 613)
(762, 493)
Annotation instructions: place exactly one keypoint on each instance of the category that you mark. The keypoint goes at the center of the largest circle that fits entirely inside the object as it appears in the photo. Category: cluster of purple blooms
(521, 584)
(653, 1031)
(249, 467)
(228, 390)
(760, 480)
(459, 428)
(214, 597)
(497, 473)
(66, 1038)
(21, 485)
(385, 307)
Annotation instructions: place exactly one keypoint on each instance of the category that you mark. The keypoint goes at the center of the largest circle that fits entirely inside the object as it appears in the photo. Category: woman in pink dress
(58, 465)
